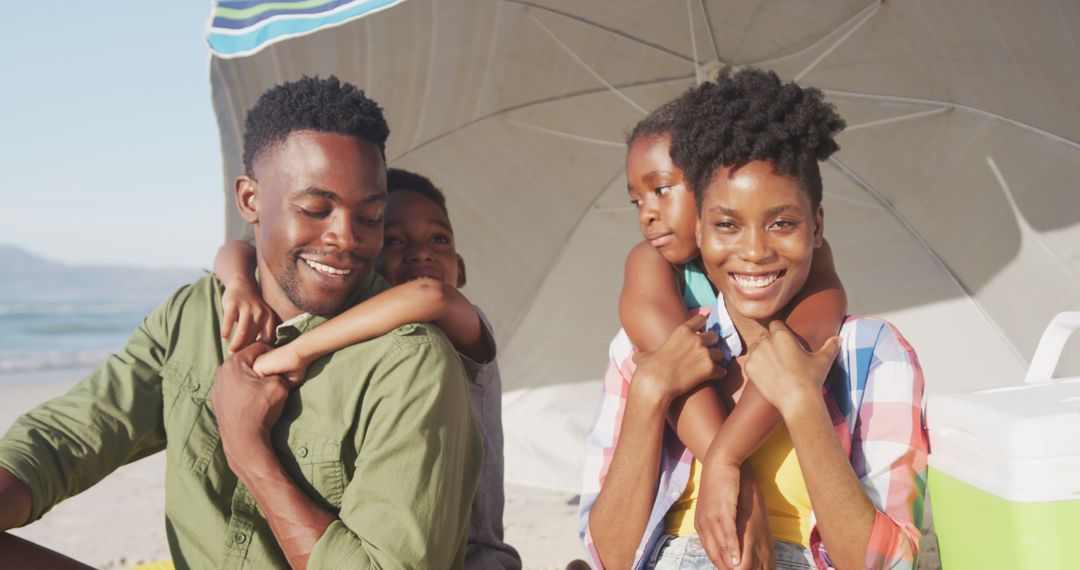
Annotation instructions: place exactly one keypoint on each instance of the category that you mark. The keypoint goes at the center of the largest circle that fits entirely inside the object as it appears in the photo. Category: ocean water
(53, 336)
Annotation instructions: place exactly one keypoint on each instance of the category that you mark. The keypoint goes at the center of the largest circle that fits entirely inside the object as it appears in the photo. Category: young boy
(420, 261)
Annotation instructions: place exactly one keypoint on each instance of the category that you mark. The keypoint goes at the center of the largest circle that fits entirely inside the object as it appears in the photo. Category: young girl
(749, 146)
(420, 261)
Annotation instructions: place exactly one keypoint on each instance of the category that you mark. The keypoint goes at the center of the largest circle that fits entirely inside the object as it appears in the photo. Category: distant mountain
(25, 277)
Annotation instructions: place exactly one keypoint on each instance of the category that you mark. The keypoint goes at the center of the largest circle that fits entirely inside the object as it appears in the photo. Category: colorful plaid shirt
(874, 398)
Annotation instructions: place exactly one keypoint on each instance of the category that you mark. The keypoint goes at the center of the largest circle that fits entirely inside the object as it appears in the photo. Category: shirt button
(302, 452)
(195, 386)
(239, 538)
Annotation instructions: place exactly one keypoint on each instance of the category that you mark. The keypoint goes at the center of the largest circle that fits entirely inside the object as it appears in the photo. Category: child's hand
(245, 308)
(784, 372)
(685, 360)
(731, 518)
(714, 519)
(752, 525)
(284, 361)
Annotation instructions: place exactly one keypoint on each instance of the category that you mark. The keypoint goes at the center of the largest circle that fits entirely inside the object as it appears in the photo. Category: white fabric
(953, 199)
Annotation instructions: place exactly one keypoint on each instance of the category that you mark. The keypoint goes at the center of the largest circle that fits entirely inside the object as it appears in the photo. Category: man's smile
(325, 268)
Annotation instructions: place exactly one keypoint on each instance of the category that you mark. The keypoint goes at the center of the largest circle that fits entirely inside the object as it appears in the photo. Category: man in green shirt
(372, 461)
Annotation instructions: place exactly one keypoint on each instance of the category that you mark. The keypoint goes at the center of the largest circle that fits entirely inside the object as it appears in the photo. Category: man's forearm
(15, 501)
(296, 521)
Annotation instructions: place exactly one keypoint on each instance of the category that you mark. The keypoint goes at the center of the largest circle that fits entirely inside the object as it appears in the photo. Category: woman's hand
(243, 307)
(785, 372)
(685, 360)
(282, 361)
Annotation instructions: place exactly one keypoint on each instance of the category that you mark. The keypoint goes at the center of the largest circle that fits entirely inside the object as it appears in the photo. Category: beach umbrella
(952, 207)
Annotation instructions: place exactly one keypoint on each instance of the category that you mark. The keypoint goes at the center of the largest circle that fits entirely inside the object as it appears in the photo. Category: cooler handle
(1050, 346)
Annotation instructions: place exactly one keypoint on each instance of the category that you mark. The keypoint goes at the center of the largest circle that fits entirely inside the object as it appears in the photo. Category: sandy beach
(120, 522)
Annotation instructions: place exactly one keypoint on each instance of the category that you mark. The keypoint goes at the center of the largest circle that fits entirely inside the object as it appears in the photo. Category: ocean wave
(69, 309)
(11, 362)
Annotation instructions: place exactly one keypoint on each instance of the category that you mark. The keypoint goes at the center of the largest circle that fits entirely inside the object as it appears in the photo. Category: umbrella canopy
(952, 208)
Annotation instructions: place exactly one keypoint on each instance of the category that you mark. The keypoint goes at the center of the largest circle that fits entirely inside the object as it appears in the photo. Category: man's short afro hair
(400, 179)
(752, 115)
(312, 104)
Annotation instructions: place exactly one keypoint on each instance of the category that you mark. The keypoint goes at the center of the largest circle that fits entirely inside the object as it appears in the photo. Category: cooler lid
(1020, 442)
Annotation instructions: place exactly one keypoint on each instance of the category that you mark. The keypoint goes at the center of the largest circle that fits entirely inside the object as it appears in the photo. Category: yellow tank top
(780, 478)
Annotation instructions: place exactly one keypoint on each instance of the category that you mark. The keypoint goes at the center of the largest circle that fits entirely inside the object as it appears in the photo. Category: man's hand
(243, 306)
(246, 405)
(785, 372)
(714, 518)
(685, 360)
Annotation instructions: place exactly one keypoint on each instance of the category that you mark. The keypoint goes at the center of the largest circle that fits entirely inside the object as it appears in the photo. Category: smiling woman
(748, 146)
(753, 163)
(758, 233)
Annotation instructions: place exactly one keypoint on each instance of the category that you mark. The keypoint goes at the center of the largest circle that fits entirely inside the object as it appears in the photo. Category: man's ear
(819, 226)
(247, 198)
(460, 271)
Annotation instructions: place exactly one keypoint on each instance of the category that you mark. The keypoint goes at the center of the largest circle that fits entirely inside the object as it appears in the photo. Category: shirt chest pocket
(314, 462)
(190, 426)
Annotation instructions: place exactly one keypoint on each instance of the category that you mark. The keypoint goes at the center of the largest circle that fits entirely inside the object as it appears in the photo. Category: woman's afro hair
(752, 115)
(312, 104)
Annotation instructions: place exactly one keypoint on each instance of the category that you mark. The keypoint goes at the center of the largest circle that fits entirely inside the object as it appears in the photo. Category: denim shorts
(687, 553)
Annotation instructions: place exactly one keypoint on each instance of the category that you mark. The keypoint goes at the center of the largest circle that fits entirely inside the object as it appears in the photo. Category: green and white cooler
(1004, 471)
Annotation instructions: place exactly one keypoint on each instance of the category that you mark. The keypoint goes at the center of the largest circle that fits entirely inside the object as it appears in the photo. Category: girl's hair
(752, 115)
(660, 121)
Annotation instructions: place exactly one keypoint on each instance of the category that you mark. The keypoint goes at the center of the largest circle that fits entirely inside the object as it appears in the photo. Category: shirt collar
(288, 331)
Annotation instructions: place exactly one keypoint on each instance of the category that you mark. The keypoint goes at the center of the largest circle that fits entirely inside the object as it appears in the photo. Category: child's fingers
(228, 319)
(696, 322)
(243, 330)
(708, 338)
(269, 324)
(730, 539)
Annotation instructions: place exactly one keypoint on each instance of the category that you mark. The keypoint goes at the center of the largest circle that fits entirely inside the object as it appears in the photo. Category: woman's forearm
(845, 515)
(619, 516)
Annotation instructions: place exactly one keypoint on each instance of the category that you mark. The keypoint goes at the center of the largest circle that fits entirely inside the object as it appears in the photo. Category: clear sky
(109, 151)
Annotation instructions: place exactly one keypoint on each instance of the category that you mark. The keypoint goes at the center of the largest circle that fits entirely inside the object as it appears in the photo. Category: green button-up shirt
(380, 433)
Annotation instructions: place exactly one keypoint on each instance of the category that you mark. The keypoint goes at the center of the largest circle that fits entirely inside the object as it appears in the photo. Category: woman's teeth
(758, 281)
(327, 268)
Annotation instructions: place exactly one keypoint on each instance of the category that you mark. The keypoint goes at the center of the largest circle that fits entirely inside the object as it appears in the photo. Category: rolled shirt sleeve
(885, 434)
(111, 418)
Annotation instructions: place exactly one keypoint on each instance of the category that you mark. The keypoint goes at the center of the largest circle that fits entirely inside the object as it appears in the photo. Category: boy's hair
(660, 121)
(324, 105)
(400, 179)
(752, 115)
